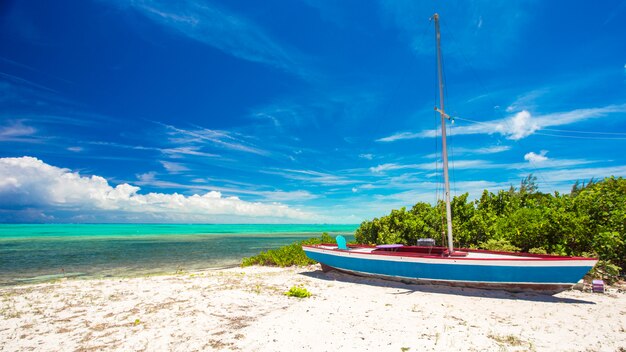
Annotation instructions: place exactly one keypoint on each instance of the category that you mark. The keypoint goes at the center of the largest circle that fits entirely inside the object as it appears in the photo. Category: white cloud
(458, 164)
(468, 151)
(219, 28)
(208, 184)
(527, 100)
(387, 167)
(518, 126)
(15, 131)
(311, 176)
(522, 124)
(562, 178)
(366, 156)
(28, 182)
(177, 152)
(287, 196)
(491, 150)
(24, 82)
(147, 177)
(426, 191)
(173, 168)
(484, 150)
(571, 175)
(222, 139)
(534, 158)
(402, 135)
(568, 117)
(312, 109)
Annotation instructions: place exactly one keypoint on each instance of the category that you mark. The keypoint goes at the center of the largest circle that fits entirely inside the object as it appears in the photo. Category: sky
(299, 111)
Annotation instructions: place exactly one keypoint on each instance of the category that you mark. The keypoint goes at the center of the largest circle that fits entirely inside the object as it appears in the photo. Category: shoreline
(79, 276)
(36, 259)
(246, 309)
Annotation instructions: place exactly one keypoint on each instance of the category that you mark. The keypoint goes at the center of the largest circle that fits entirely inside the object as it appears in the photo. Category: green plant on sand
(298, 291)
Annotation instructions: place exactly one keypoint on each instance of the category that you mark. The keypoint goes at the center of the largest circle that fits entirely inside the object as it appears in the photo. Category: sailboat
(427, 263)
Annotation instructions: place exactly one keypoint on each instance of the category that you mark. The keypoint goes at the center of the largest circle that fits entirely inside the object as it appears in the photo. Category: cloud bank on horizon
(41, 192)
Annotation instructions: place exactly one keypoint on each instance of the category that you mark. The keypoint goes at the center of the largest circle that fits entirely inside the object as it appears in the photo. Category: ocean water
(36, 253)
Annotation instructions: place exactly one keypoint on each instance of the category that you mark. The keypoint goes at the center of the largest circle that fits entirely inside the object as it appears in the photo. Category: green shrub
(537, 251)
(606, 271)
(288, 255)
(607, 245)
(499, 245)
(298, 291)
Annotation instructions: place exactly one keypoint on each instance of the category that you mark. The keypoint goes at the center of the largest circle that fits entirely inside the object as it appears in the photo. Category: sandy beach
(245, 309)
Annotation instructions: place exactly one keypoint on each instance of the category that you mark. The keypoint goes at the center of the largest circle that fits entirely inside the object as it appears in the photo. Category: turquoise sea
(36, 253)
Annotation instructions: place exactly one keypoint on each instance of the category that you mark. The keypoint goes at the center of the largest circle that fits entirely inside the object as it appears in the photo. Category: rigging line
(584, 132)
(473, 121)
(505, 121)
(439, 192)
(445, 96)
(438, 177)
(448, 126)
(452, 157)
(454, 188)
(484, 88)
(554, 129)
(437, 183)
(580, 137)
(478, 79)
(536, 172)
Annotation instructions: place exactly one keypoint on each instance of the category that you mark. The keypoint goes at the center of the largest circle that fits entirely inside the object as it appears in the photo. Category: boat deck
(481, 255)
(410, 251)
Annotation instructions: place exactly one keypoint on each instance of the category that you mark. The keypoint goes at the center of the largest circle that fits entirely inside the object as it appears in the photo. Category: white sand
(245, 309)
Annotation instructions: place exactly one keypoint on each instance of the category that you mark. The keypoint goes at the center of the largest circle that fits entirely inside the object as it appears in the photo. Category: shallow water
(35, 253)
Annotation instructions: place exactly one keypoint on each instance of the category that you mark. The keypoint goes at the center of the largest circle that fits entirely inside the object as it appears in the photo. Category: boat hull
(552, 274)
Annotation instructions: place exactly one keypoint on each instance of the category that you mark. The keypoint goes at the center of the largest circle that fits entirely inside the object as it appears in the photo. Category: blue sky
(298, 111)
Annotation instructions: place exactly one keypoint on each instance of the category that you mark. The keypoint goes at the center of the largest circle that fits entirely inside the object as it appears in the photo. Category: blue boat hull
(551, 275)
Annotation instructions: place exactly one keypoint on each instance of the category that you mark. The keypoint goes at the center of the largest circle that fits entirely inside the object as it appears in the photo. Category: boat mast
(444, 150)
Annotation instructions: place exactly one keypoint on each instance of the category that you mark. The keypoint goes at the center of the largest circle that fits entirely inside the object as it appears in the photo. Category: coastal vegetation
(589, 221)
(288, 255)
